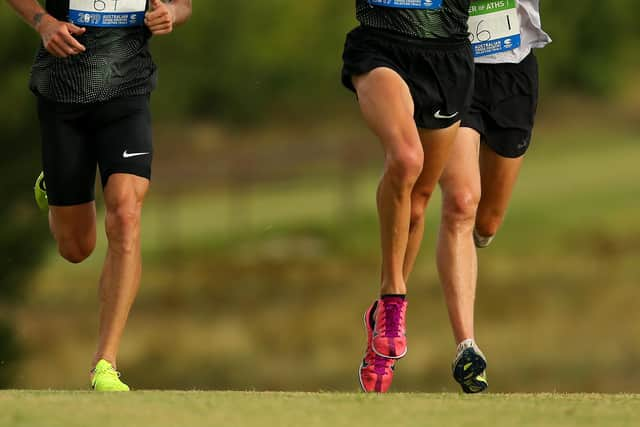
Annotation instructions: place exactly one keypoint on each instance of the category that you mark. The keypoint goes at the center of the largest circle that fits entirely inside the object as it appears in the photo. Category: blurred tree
(22, 227)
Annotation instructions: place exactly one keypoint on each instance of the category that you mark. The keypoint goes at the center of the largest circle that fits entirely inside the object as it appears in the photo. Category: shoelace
(111, 372)
(380, 365)
(393, 317)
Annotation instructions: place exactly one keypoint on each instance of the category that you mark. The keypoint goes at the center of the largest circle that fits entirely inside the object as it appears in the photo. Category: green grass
(239, 409)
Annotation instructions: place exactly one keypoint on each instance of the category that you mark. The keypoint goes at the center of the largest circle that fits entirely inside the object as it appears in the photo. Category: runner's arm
(57, 36)
(166, 14)
(30, 10)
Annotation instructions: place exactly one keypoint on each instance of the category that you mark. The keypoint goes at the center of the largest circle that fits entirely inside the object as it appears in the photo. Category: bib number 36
(408, 4)
(494, 26)
(107, 13)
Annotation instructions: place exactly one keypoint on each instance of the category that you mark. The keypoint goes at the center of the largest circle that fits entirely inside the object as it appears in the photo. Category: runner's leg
(499, 176)
(120, 280)
(387, 107)
(456, 254)
(437, 145)
(74, 228)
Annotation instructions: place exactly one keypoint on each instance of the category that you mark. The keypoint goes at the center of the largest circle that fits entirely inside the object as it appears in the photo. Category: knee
(75, 250)
(404, 166)
(460, 207)
(123, 225)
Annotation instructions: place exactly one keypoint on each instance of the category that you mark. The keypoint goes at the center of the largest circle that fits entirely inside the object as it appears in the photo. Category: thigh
(124, 138)
(437, 146)
(498, 177)
(462, 172)
(124, 194)
(74, 223)
(387, 107)
(68, 157)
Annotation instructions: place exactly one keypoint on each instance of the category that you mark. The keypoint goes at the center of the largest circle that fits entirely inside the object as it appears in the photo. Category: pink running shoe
(389, 333)
(376, 372)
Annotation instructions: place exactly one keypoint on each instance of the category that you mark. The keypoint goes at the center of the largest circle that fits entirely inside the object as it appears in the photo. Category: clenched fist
(161, 18)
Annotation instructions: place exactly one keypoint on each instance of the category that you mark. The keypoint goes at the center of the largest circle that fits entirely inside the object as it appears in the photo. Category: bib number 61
(101, 5)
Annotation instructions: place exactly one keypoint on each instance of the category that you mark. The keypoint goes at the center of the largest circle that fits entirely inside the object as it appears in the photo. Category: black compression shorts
(504, 106)
(115, 136)
(439, 73)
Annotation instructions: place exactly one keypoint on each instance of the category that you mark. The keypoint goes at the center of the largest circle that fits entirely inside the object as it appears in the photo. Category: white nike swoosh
(439, 115)
(127, 155)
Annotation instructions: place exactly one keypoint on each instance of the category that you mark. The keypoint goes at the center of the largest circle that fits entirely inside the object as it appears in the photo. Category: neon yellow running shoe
(105, 378)
(40, 191)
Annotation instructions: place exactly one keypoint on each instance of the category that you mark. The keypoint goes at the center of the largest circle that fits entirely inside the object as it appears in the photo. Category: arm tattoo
(37, 18)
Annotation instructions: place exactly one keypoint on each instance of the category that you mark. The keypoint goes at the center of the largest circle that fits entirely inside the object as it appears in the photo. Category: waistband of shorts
(48, 101)
(404, 39)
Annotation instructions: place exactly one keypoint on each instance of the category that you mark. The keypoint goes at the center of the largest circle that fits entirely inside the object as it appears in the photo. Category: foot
(481, 241)
(105, 378)
(40, 192)
(376, 372)
(469, 368)
(389, 333)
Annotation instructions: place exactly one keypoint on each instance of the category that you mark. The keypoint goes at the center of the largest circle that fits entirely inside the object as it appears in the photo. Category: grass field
(239, 409)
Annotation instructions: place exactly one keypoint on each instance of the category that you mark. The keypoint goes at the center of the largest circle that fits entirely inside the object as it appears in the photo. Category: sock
(481, 241)
(392, 296)
(468, 343)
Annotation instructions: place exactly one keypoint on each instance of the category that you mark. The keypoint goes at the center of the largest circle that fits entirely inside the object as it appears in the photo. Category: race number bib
(408, 4)
(494, 26)
(107, 13)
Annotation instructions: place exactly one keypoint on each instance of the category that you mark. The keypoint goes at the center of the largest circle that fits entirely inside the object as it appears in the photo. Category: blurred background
(260, 233)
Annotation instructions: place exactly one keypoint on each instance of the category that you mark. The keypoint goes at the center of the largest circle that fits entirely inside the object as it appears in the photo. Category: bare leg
(387, 108)
(499, 176)
(456, 258)
(437, 146)
(120, 280)
(74, 229)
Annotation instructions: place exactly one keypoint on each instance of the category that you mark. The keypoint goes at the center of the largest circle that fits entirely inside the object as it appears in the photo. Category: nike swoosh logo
(126, 155)
(439, 115)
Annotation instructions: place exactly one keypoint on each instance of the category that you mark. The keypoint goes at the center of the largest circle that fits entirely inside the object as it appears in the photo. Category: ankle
(398, 288)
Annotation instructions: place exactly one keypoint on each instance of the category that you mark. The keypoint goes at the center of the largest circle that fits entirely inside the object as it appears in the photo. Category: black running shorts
(115, 136)
(439, 73)
(504, 105)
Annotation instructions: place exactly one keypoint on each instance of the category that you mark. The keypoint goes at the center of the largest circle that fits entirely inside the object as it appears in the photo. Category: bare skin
(120, 279)
(477, 185)
(456, 253)
(74, 228)
(499, 177)
(411, 157)
(435, 160)
(165, 15)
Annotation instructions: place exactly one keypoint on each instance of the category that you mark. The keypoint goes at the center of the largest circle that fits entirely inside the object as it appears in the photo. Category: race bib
(408, 4)
(494, 26)
(107, 13)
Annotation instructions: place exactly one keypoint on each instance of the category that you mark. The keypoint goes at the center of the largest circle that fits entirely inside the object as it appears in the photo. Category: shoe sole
(366, 330)
(466, 379)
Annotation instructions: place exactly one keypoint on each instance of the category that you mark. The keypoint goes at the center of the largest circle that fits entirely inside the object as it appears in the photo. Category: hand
(160, 19)
(58, 37)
